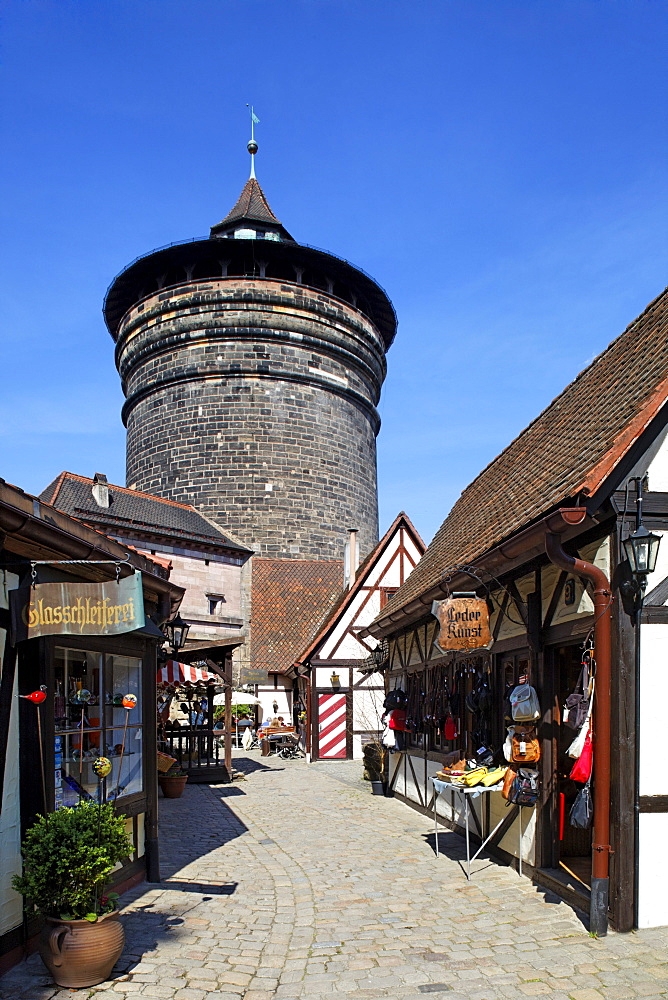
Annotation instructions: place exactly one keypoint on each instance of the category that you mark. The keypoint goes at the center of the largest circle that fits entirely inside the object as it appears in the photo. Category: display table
(466, 794)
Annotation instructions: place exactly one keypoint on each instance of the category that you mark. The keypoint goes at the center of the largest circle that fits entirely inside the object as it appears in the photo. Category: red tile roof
(290, 599)
(252, 205)
(570, 448)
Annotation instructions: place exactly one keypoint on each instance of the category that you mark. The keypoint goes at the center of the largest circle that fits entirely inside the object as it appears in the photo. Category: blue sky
(499, 168)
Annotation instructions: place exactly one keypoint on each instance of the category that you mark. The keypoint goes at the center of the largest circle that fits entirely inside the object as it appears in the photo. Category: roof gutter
(601, 850)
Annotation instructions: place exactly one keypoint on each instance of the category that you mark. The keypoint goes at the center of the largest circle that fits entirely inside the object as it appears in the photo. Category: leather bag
(525, 745)
(582, 768)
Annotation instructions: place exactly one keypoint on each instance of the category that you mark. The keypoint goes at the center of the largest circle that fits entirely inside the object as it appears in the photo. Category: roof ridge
(139, 493)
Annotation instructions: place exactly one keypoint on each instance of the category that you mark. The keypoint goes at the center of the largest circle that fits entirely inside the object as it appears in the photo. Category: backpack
(525, 748)
(395, 699)
(524, 703)
(525, 788)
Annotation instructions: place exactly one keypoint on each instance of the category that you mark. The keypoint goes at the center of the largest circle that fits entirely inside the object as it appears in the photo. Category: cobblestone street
(296, 882)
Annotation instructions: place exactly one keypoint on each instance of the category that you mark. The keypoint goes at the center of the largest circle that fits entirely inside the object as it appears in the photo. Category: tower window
(216, 602)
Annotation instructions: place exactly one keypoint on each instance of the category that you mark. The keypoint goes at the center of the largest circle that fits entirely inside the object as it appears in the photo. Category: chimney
(351, 559)
(100, 490)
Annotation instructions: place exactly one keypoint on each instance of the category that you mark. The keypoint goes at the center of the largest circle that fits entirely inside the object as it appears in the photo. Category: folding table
(471, 793)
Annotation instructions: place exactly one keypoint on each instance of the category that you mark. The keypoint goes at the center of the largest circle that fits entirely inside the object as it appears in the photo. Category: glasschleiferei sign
(109, 608)
(464, 624)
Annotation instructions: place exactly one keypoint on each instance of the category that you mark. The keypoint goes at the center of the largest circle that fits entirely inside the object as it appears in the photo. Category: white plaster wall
(322, 678)
(283, 695)
(11, 904)
(652, 873)
(657, 471)
(653, 701)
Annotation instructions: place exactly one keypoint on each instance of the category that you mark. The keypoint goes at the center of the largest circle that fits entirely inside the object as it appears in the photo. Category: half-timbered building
(345, 698)
(540, 533)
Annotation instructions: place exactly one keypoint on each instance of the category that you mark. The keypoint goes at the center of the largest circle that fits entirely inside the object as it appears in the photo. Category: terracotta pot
(172, 787)
(78, 953)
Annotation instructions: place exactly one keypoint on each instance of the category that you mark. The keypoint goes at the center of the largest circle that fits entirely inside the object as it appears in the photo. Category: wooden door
(332, 728)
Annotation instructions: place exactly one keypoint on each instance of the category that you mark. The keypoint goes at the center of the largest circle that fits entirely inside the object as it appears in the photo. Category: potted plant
(173, 782)
(67, 860)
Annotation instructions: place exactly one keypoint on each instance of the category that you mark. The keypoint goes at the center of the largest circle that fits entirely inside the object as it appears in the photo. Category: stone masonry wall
(254, 400)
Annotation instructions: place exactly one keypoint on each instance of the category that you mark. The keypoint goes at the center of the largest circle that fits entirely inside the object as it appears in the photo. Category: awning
(175, 672)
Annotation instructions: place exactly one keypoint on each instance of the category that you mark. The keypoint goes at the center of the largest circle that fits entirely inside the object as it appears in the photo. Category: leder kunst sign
(464, 624)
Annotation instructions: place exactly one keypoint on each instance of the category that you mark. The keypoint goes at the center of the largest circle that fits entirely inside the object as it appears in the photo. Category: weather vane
(252, 145)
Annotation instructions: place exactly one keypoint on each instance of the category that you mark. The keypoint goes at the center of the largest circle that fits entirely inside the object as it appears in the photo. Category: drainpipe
(598, 907)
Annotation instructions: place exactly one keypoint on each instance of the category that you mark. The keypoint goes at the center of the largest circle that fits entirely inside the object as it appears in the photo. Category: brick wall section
(255, 400)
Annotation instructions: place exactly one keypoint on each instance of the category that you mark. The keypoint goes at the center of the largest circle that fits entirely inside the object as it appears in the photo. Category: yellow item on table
(474, 777)
(493, 776)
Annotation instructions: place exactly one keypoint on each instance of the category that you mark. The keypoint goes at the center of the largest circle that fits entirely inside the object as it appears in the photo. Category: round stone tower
(252, 366)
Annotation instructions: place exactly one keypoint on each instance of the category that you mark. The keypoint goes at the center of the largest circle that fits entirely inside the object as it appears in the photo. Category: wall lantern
(335, 680)
(177, 633)
(642, 549)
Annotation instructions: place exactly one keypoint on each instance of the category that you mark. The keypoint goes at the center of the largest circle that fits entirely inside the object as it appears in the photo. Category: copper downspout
(598, 912)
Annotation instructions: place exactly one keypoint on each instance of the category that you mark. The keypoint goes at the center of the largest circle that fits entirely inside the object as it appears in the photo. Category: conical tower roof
(251, 208)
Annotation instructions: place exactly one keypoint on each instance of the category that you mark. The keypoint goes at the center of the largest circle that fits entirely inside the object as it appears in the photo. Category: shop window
(90, 722)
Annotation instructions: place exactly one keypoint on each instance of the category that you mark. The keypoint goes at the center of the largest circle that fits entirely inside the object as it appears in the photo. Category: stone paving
(296, 883)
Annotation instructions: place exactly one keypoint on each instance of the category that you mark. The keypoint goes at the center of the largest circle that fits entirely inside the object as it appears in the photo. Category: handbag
(575, 749)
(524, 703)
(576, 706)
(582, 768)
(508, 779)
(398, 720)
(582, 810)
(450, 729)
(525, 745)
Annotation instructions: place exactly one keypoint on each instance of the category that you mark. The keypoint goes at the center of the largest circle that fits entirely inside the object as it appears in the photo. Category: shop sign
(252, 675)
(78, 608)
(464, 624)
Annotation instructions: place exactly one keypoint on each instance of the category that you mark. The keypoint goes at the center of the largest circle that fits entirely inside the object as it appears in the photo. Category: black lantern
(177, 633)
(642, 549)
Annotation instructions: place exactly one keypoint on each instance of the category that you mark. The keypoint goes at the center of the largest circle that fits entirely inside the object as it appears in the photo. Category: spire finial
(252, 145)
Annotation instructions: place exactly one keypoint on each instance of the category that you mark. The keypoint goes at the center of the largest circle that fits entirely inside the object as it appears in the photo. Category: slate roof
(251, 206)
(290, 600)
(570, 448)
(130, 511)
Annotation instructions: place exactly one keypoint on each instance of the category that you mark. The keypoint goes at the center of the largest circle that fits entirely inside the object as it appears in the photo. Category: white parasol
(238, 698)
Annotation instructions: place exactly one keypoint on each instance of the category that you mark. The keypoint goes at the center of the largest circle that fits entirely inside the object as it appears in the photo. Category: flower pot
(78, 953)
(377, 787)
(172, 786)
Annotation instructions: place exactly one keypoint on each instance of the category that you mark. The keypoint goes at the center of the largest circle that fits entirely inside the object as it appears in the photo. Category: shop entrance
(572, 846)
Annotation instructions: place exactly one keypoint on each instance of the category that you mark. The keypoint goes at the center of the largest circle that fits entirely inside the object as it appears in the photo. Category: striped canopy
(175, 672)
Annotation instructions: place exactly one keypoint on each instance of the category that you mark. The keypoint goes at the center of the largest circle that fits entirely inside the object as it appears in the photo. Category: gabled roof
(130, 511)
(290, 599)
(251, 206)
(571, 449)
(362, 574)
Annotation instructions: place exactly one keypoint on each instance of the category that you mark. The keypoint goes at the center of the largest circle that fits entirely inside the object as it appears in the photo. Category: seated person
(244, 721)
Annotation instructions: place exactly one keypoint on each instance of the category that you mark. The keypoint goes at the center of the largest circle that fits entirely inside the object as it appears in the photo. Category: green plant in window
(68, 858)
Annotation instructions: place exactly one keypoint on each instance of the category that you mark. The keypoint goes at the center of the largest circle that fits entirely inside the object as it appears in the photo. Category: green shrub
(64, 867)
